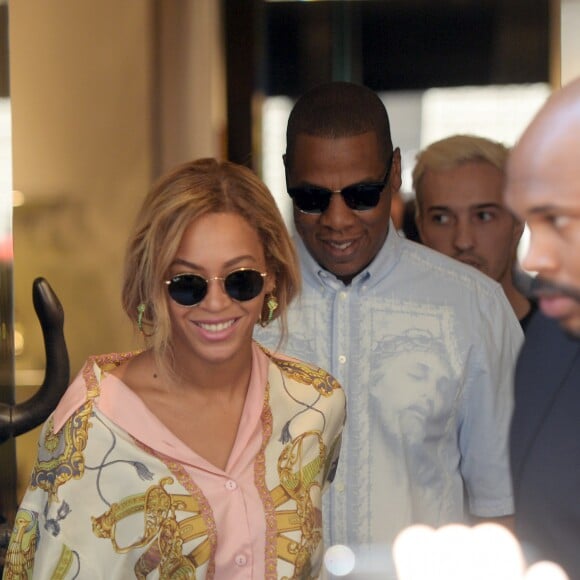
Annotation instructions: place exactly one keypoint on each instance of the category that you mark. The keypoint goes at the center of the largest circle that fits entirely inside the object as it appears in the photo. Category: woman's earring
(140, 322)
(271, 305)
(141, 311)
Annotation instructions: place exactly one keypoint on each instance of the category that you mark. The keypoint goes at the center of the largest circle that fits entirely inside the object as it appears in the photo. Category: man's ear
(395, 179)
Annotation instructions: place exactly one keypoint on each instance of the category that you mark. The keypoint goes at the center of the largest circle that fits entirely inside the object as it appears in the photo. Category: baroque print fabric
(105, 502)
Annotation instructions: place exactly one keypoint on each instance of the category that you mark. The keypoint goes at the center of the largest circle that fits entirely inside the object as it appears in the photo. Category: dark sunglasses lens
(363, 196)
(244, 284)
(310, 199)
(187, 289)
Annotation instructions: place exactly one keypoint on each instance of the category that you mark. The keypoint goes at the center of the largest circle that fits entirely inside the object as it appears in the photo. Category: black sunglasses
(359, 196)
(190, 289)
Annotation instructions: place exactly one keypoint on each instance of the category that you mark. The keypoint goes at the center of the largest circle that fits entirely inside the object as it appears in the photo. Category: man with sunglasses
(423, 345)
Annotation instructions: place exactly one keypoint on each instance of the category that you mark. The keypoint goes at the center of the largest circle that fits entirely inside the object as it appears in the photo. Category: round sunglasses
(363, 196)
(190, 289)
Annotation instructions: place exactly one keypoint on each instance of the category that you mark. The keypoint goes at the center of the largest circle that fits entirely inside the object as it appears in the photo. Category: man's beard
(538, 287)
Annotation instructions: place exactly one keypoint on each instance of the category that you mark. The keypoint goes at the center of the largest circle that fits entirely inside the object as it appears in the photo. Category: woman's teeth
(215, 327)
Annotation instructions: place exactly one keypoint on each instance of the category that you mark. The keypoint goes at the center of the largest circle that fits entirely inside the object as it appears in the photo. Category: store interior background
(100, 98)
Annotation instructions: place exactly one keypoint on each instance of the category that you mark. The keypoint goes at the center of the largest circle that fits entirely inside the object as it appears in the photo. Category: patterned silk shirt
(114, 494)
(425, 348)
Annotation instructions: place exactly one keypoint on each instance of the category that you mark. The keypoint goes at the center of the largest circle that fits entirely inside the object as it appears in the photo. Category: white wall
(570, 40)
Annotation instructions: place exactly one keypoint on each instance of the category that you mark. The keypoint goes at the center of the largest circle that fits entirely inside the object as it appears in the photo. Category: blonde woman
(204, 455)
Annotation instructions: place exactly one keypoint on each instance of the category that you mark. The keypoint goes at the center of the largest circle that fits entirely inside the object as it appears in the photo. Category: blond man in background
(458, 183)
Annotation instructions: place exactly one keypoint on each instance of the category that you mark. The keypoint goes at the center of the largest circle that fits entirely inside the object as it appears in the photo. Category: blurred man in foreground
(543, 188)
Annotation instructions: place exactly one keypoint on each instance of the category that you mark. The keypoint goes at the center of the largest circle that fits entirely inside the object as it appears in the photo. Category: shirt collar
(388, 256)
(127, 410)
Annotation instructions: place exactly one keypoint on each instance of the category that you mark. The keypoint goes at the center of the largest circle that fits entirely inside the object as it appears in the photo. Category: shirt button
(343, 295)
(231, 485)
(240, 560)
(342, 359)
(339, 487)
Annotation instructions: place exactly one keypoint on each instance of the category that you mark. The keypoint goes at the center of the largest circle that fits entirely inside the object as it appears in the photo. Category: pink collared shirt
(125, 494)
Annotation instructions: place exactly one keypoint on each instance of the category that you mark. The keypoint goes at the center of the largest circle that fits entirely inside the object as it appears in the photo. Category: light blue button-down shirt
(425, 348)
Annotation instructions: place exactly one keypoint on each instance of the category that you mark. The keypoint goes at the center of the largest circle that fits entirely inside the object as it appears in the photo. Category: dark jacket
(545, 445)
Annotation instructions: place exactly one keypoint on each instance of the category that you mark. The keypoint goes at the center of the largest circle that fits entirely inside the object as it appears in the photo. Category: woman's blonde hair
(187, 193)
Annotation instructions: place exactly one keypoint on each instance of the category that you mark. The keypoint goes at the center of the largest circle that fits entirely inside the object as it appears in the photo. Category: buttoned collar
(314, 274)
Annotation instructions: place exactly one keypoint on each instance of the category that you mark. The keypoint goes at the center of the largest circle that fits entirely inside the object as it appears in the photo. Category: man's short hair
(453, 151)
(338, 109)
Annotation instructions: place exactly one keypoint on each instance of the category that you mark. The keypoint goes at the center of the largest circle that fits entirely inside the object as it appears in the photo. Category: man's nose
(337, 215)
(463, 237)
(541, 255)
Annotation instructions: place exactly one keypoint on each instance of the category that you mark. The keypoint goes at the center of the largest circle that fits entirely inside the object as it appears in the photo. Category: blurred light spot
(339, 560)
